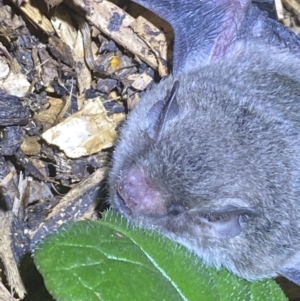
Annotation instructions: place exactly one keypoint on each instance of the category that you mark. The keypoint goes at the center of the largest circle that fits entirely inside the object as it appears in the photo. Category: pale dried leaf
(142, 81)
(85, 132)
(15, 84)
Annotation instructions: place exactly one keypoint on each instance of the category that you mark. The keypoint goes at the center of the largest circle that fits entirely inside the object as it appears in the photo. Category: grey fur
(222, 177)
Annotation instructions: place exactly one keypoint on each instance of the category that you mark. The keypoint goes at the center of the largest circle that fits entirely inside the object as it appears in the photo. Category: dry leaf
(141, 82)
(15, 84)
(85, 132)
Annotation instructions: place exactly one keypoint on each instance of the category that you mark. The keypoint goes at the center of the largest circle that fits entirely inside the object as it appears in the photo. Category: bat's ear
(291, 270)
(204, 30)
(161, 112)
(226, 222)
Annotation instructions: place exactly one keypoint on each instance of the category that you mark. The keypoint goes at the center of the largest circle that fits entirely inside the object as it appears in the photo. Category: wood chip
(116, 24)
(7, 257)
(35, 15)
(156, 41)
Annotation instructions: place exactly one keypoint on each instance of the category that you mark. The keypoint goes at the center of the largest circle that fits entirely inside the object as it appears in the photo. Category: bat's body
(211, 156)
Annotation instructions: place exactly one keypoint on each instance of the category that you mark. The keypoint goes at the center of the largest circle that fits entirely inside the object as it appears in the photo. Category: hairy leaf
(112, 260)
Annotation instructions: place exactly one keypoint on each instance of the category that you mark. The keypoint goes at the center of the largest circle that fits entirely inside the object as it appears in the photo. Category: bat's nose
(138, 195)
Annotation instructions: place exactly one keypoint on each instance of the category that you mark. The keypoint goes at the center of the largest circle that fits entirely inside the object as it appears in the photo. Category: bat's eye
(176, 209)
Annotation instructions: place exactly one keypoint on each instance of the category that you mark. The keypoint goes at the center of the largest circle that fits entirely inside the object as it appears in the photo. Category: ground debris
(68, 75)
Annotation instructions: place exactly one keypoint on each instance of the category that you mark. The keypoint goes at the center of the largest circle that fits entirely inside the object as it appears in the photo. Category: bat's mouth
(119, 205)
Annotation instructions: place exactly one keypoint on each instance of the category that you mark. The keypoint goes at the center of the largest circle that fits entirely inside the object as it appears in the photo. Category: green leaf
(112, 260)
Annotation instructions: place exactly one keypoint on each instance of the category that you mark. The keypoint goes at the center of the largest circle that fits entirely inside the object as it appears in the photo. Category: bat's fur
(234, 143)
